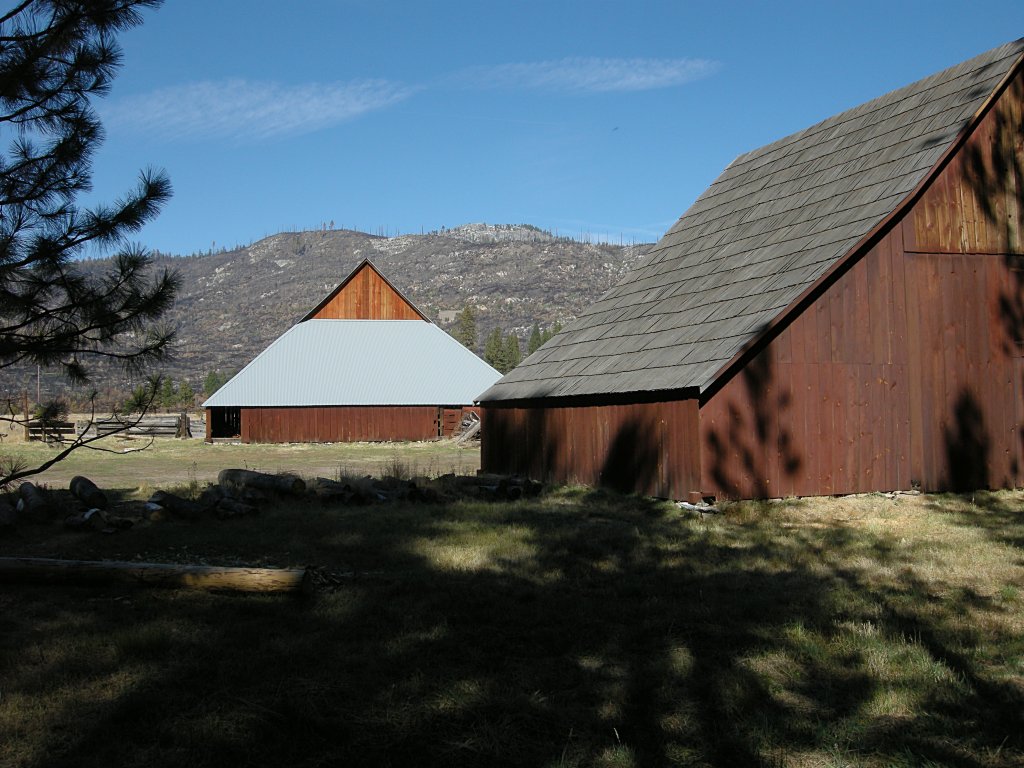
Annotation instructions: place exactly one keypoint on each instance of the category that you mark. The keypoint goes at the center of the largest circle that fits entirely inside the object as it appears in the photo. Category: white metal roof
(359, 362)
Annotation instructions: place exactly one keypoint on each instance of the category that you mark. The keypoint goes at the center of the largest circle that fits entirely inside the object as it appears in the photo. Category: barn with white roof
(364, 364)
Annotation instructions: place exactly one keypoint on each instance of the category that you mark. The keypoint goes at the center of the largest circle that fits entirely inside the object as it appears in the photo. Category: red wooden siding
(366, 296)
(907, 370)
(974, 206)
(825, 407)
(650, 448)
(339, 424)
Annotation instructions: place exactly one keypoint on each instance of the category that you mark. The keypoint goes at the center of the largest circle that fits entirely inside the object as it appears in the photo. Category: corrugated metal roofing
(359, 362)
(769, 227)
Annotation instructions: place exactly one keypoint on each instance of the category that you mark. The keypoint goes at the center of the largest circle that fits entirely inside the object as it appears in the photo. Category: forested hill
(232, 304)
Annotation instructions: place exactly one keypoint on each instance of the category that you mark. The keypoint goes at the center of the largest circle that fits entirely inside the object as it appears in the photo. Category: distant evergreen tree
(494, 350)
(214, 380)
(186, 395)
(167, 398)
(465, 328)
(535, 340)
(142, 397)
(512, 353)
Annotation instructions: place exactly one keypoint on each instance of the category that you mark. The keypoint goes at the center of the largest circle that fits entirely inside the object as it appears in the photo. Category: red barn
(364, 364)
(841, 311)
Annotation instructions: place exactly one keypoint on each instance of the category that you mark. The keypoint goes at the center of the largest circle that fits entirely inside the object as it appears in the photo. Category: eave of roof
(778, 224)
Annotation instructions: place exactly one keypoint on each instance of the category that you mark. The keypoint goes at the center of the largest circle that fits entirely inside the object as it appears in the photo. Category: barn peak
(366, 294)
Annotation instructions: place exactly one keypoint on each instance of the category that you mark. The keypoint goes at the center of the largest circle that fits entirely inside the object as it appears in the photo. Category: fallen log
(85, 490)
(241, 479)
(209, 577)
(33, 503)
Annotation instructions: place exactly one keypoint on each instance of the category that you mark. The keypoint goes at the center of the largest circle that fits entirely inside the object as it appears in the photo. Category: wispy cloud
(250, 111)
(589, 75)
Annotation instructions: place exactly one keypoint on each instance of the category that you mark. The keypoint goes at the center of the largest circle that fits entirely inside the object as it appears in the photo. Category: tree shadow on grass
(585, 628)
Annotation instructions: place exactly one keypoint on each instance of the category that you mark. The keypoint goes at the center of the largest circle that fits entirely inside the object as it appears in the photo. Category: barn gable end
(906, 369)
(843, 307)
(365, 295)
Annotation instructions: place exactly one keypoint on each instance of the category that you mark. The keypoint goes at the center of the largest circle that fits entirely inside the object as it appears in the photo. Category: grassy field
(579, 628)
(169, 462)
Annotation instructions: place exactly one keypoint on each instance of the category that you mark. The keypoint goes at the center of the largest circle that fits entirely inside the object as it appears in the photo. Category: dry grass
(169, 462)
(581, 628)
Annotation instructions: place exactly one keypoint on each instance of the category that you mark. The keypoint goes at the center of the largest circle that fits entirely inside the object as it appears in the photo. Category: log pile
(242, 492)
(238, 493)
(446, 488)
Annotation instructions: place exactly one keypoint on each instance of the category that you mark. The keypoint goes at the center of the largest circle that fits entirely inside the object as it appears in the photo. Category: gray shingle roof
(765, 230)
(359, 362)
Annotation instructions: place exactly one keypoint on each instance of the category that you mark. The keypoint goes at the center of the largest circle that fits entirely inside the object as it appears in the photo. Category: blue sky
(584, 117)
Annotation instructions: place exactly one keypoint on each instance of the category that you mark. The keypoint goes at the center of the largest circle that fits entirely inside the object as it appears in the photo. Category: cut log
(153, 512)
(47, 570)
(33, 503)
(176, 505)
(92, 519)
(238, 479)
(85, 490)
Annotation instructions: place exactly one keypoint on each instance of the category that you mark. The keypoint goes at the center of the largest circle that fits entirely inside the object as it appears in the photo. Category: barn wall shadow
(755, 444)
(994, 172)
(968, 446)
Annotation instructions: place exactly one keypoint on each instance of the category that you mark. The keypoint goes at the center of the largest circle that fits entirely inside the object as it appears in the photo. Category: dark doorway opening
(225, 422)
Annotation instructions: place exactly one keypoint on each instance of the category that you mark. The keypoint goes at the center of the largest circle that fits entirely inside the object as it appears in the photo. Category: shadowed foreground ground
(580, 628)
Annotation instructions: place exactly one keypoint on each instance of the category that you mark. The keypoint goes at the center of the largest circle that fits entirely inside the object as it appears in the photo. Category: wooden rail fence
(149, 426)
(53, 432)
